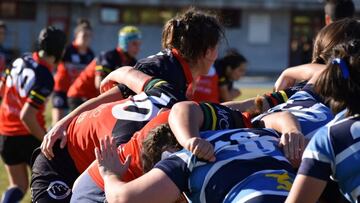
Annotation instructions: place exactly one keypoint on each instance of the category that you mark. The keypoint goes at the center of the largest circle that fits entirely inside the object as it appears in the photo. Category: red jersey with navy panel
(133, 148)
(215, 117)
(29, 80)
(120, 119)
(106, 62)
(73, 64)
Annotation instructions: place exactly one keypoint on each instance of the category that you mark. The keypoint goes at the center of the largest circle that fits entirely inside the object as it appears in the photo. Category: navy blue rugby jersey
(334, 152)
(108, 61)
(167, 65)
(133, 114)
(240, 153)
(73, 56)
(307, 107)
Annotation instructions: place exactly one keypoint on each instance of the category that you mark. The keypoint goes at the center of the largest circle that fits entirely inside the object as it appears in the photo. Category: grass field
(246, 93)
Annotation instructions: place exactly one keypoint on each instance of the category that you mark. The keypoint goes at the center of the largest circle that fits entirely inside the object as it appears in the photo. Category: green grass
(246, 93)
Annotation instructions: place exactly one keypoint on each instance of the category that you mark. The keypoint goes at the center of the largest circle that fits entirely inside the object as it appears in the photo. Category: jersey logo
(58, 190)
(284, 180)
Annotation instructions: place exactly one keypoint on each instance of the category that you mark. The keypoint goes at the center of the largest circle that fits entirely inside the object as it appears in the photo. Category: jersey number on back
(143, 102)
(21, 77)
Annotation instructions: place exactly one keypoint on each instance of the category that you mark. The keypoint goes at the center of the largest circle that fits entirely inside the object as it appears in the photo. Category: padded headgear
(128, 34)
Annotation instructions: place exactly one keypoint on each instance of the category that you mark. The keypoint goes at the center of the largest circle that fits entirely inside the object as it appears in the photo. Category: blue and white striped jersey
(240, 153)
(307, 107)
(334, 152)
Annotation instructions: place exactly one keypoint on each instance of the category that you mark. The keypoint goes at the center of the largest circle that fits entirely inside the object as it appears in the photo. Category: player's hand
(293, 145)
(57, 132)
(201, 148)
(108, 158)
(106, 84)
(284, 82)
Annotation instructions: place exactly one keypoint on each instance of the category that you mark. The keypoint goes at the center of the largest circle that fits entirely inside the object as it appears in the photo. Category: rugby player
(76, 57)
(333, 153)
(87, 85)
(27, 85)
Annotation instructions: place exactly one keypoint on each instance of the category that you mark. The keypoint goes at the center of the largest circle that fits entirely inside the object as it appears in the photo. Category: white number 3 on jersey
(21, 77)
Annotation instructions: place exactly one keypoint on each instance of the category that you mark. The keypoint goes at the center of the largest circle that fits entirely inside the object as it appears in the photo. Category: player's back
(345, 143)
(120, 119)
(240, 153)
(29, 80)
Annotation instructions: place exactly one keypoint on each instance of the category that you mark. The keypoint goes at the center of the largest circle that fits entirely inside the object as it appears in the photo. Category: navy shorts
(52, 180)
(17, 149)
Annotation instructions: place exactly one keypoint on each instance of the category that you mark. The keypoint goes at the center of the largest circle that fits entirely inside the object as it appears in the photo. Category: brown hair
(334, 83)
(82, 25)
(333, 34)
(192, 33)
(158, 140)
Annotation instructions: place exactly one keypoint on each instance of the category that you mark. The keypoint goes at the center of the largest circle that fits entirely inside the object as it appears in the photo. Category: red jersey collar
(247, 120)
(122, 55)
(40, 61)
(76, 46)
(185, 66)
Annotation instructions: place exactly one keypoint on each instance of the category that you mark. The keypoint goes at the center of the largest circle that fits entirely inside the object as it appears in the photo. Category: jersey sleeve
(103, 65)
(318, 157)
(41, 89)
(219, 117)
(175, 167)
(147, 68)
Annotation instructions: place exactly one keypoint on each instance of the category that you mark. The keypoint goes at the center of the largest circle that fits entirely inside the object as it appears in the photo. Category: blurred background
(271, 34)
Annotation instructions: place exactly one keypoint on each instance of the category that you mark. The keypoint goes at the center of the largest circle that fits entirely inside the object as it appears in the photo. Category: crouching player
(249, 155)
(243, 159)
(333, 153)
(52, 179)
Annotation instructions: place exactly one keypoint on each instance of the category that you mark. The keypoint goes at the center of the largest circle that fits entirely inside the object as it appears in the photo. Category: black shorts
(52, 180)
(60, 100)
(17, 149)
(74, 102)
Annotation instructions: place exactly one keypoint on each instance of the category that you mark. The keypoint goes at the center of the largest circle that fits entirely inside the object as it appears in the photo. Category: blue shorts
(261, 187)
(85, 190)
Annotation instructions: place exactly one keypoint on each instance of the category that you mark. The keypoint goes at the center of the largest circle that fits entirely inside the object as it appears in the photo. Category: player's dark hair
(159, 139)
(82, 25)
(341, 79)
(232, 59)
(339, 9)
(192, 33)
(52, 41)
(333, 34)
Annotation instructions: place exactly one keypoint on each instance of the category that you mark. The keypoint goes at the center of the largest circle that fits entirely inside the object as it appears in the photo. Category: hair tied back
(343, 67)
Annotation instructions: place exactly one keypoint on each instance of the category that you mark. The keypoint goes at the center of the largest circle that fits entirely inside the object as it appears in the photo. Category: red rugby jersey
(207, 89)
(84, 85)
(120, 119)
(133, 148)
(29, 80)
(70, 68)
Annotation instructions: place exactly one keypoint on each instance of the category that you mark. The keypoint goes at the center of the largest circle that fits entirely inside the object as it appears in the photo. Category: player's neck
(50, 60)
